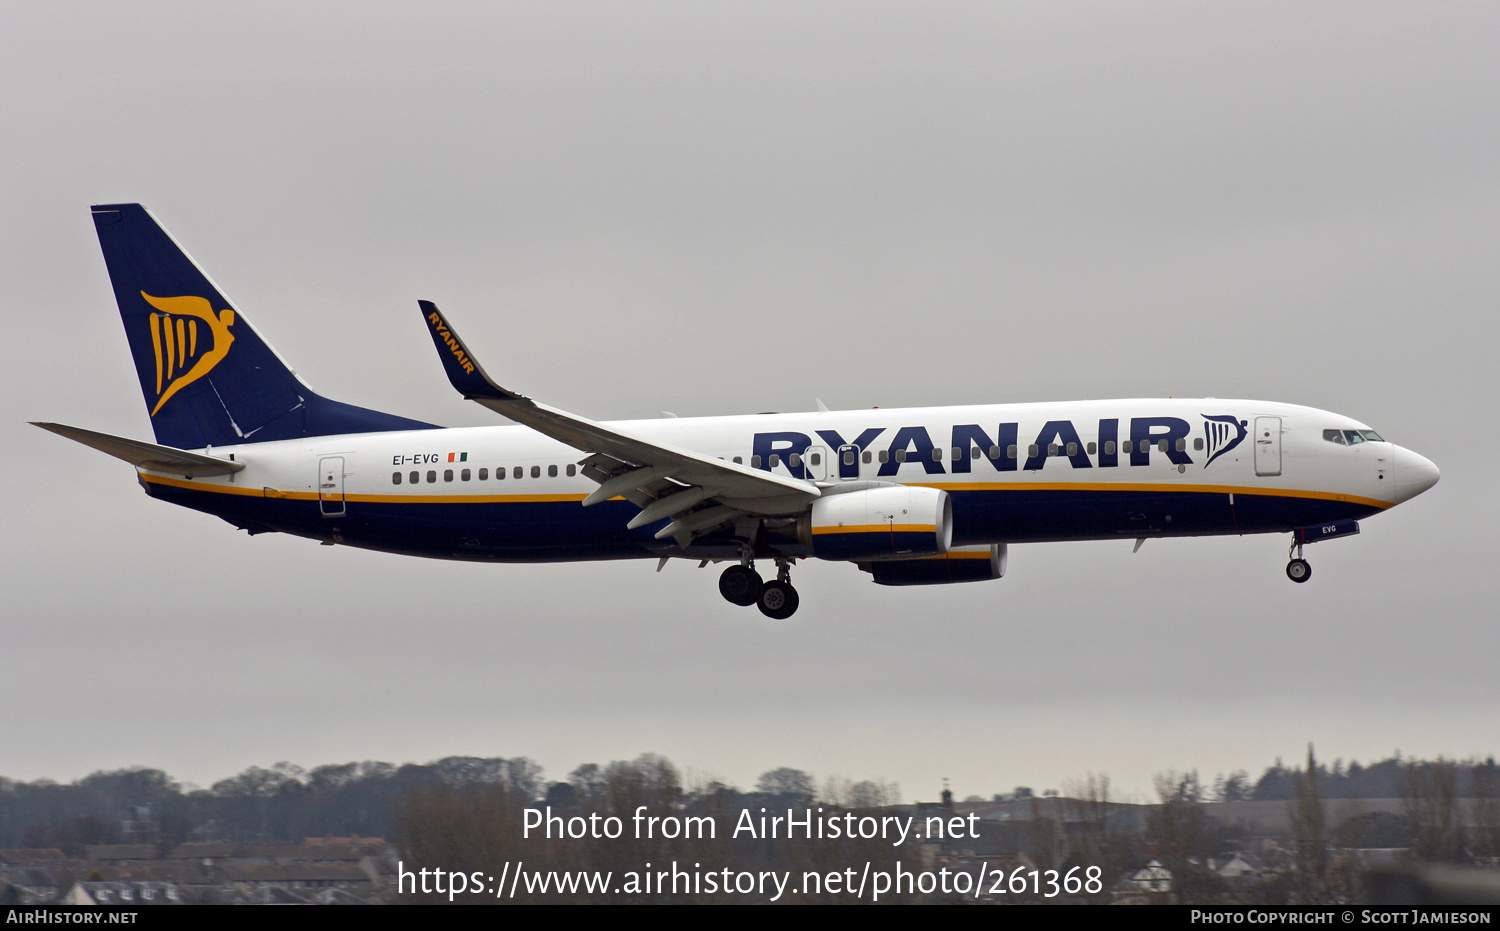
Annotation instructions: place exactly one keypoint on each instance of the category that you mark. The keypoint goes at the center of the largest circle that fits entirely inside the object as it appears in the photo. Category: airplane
(918, 496)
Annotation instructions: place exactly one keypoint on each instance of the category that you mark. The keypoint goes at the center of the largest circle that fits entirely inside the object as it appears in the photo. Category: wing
(663, 480)
(147, 455)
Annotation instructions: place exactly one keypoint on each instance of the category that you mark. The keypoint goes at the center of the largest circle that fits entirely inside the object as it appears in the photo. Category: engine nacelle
(959, 564)
(890, 522)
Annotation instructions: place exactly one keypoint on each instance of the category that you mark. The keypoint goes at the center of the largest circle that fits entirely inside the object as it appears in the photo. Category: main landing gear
(1297, 570)
(777, 599)
(740, 585)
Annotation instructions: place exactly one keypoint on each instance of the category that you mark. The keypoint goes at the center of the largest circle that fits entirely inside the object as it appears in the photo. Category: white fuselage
(1016, 472)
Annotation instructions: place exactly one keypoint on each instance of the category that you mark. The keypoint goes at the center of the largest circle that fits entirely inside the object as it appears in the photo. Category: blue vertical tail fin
(207, 376)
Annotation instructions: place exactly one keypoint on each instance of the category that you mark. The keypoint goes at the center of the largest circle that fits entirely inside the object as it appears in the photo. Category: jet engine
(889, 522)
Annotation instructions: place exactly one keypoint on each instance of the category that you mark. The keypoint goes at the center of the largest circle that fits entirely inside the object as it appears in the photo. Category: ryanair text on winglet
(452, 342)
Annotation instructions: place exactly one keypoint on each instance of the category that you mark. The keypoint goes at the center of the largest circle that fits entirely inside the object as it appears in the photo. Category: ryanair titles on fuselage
(1002, 450)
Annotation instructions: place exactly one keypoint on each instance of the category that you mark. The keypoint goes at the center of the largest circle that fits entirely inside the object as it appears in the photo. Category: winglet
(682, 465)
(462, 368)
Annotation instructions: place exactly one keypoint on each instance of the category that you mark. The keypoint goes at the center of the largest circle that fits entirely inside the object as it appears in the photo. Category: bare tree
(1429, 803)
(1319, 877)
(465, 829)
(1485, 807)
(786, 781)
(1233, 788)
(1105, 834)
(867, 793)
(1176, 829)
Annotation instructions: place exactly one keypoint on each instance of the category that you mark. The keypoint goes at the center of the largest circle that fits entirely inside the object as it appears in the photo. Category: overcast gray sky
(727, 208)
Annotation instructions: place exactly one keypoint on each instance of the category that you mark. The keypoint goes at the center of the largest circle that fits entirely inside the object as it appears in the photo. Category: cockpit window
(1352, 437)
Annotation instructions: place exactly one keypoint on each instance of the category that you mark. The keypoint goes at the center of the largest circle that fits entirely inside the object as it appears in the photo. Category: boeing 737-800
(911, 496)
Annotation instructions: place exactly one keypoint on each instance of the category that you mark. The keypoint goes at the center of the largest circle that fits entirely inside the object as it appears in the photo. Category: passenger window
(1072, 449)
(848, 457)
(866, 457)
(1052, 449)
(517, 472)
(775, 460)
(885, 455)
(500, 474)
(1033, 450)
(464, 475)
(414, 477)
(431, 477)
(572, 469)
(1161, 446)
(900, 455)
(937, 454)
(1092, 447)
(815, 458)
(994, 452)
(739, 460)
(794, 460)
(552, 471)
(536, 471)
(447, 475)
(754, 462)
(484, 475)
(958, 452)
(1181, 444)
(1126, 446)
(1011, 451)
(1197, 442)
(395, 478)
(1109, 447)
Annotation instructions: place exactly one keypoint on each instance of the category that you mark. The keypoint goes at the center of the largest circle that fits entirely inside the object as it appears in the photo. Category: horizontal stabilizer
(147, 455)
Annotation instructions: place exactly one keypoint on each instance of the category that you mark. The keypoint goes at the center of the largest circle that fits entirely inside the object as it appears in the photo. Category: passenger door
(331, 486)
(1268, 446)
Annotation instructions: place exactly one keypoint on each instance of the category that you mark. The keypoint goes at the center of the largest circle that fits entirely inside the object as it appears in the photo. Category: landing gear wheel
(778, 600)
(1298, 570)
(740, 585)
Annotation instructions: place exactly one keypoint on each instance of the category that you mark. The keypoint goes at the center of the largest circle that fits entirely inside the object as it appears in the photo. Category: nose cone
(1414, 474)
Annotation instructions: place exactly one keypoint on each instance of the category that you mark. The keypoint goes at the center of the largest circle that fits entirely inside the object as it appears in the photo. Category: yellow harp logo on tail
(183, 354)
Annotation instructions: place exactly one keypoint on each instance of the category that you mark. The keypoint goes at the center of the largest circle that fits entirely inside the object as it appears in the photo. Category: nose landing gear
(1297, 569)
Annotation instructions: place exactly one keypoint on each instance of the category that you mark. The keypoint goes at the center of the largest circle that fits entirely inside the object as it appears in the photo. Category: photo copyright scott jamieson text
(865, 880)
(1344, 916)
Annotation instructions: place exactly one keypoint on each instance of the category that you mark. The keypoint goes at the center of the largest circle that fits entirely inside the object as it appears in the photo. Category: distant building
(1149, 885)
(122, 893)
